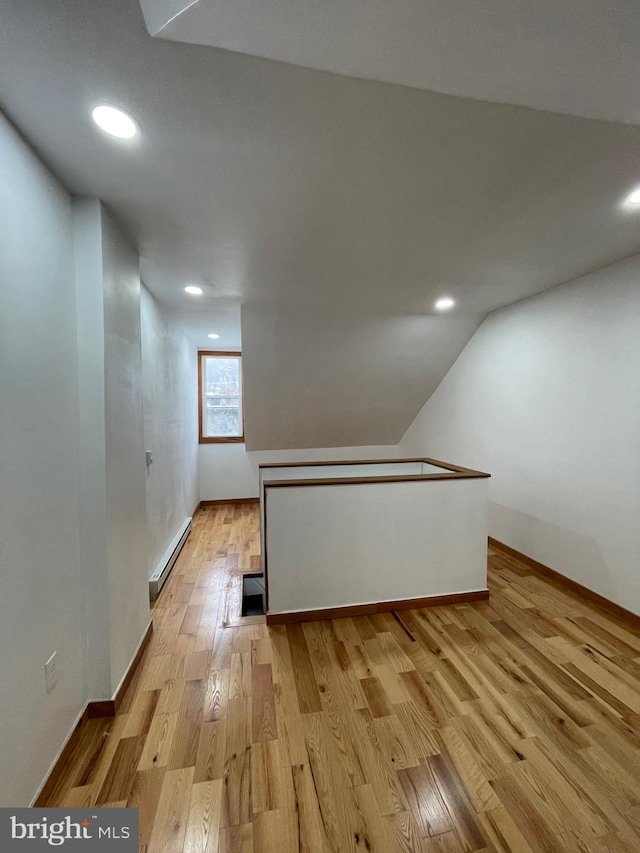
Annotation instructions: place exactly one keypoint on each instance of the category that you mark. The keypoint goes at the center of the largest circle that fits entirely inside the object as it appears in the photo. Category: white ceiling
(333, 210)
(208, 314)
(580, 57)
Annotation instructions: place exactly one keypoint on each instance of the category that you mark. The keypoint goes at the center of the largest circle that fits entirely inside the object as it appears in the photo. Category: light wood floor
(511, 725)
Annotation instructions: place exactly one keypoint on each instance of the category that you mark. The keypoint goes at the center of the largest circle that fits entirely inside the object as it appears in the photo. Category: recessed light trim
(115, 122)
(633, 199)
(213, 336)
(445, 303)
(193, 290)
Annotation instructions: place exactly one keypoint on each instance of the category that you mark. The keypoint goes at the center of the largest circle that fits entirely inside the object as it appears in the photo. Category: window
(220, 397)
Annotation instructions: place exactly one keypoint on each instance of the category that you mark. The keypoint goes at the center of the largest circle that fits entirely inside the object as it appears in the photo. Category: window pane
(223, 421)
(222, 397)
(222, 377)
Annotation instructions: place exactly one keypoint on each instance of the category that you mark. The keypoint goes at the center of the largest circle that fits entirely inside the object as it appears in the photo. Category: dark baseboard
(376, 607)
(230, 501)
(583, 592)
(101, 708)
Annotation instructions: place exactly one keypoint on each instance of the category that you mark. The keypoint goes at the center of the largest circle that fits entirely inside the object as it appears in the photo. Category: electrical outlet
(51, 672)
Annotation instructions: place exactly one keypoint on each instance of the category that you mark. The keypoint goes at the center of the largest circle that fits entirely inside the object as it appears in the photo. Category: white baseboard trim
(162, 570)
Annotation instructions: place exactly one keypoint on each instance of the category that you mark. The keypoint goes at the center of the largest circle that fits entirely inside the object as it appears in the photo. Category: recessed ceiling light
(445, 303)
(633, 199)
(213, 336)
(115, 122)
(193, 290)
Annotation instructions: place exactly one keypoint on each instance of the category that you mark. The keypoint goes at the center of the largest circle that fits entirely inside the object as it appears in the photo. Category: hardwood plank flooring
(507, 725)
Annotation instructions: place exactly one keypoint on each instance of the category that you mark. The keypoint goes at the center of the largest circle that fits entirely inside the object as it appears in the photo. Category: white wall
(41, 604)
(87, 227)
(114, 537)
(546, 398)
(228, 471)
(170, 383)
(333, 546)
(76, 545)
(127, 539)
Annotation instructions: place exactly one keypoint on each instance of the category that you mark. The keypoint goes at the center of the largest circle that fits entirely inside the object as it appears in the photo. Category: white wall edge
(133, 657)
(57, 757)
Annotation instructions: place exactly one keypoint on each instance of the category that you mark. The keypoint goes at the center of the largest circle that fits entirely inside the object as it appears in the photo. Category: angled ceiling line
(174, 17)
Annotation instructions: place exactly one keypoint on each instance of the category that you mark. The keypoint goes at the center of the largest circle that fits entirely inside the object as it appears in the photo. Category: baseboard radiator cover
(163, 569)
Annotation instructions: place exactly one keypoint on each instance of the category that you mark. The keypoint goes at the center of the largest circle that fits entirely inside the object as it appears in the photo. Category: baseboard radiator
(163, 569)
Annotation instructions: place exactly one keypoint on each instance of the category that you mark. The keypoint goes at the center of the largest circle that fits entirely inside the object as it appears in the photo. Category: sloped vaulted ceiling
(580, 57)
(333, 210)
